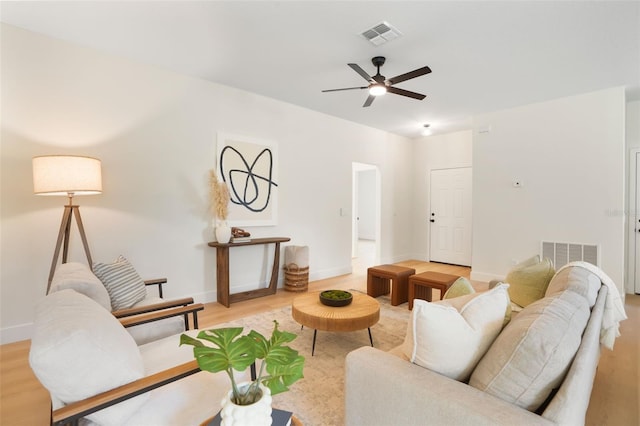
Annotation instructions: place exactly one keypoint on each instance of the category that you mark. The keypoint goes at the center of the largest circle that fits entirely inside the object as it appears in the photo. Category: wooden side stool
(420, 285)
(383, 279)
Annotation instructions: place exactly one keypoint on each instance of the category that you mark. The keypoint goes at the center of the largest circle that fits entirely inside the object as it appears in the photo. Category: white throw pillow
(79, 349)
(449, 337)
(78, 277)
(533, 353)
(123, 283)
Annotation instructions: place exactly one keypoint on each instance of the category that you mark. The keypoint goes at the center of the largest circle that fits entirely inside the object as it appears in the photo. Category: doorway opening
(365, 217)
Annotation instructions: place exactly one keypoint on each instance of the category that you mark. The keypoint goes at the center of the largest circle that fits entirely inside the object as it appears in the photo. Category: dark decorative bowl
(336, 298)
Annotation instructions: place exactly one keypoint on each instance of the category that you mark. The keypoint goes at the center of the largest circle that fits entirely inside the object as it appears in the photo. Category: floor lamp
(67, 175)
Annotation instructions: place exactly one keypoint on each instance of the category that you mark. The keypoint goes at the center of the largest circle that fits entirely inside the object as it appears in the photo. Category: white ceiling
(485, 56)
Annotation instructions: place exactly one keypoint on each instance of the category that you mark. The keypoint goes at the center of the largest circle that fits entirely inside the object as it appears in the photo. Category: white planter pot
(256, 414)
(223, 231)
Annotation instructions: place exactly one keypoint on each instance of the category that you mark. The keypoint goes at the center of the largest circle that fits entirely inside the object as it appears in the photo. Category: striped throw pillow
(124, 285)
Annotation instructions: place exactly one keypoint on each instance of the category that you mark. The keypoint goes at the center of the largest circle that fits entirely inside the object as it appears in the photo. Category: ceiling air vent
(381, 33)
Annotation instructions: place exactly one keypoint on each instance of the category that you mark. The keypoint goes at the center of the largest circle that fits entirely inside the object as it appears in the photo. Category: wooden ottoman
(383, 279)
(420, 285)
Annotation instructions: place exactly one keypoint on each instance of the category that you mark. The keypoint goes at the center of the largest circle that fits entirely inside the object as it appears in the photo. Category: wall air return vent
(381, 33)
(563, 253)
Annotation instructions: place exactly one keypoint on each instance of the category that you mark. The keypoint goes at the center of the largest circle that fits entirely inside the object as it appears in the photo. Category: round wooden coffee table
(362, 313)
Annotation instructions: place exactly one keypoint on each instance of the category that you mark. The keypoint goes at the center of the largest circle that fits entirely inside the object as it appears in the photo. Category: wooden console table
(222, 265)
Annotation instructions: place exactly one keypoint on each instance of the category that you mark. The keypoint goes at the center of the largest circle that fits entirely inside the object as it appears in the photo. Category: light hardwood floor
(614, 401)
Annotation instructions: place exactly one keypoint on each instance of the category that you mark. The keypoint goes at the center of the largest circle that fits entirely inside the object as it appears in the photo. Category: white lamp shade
(66, 174)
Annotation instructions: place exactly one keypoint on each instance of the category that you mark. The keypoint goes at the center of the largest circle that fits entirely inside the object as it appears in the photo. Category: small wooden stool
(420, 285)
(383, 279)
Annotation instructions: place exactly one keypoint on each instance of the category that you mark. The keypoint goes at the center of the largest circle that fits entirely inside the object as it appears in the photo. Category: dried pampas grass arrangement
(219, 193)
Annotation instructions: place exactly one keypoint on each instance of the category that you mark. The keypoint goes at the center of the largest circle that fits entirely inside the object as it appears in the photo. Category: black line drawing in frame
(247, 187)
(249, 168)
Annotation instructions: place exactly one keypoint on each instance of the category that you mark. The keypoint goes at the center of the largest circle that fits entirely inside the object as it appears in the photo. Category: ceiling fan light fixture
(377, 90)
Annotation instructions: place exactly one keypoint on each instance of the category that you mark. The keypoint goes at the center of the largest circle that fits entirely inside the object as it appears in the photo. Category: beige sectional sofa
(531, 360)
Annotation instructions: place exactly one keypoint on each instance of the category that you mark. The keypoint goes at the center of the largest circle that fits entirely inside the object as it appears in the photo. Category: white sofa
(384, 388)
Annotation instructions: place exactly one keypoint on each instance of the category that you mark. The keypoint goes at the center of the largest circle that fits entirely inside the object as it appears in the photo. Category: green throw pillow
(460, 287)
(533, 260)
(528, 282)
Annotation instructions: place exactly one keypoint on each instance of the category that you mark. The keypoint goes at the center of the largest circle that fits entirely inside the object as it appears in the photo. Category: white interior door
(450, 216)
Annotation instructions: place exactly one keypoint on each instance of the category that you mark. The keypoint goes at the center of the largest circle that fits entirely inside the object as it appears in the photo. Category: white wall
(569, 153)
(155, 134)
(432, 153)
(632, 126)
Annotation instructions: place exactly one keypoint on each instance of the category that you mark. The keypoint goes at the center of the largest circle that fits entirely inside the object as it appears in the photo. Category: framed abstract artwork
(249, 167)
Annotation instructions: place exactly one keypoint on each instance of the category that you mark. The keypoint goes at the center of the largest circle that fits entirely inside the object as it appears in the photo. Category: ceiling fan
(379, 86)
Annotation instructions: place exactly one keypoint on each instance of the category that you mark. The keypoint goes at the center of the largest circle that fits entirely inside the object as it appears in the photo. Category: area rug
(318, 399)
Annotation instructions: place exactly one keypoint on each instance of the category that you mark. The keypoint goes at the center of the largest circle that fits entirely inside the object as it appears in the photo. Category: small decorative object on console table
(222, 270)
(223, 231)
(248, 404)
(239, 235)
(240, 239)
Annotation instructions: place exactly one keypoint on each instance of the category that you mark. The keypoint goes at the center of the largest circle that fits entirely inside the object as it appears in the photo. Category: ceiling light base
(378, 61)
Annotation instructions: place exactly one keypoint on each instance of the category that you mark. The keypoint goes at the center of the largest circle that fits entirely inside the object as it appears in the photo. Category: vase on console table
(223, 231)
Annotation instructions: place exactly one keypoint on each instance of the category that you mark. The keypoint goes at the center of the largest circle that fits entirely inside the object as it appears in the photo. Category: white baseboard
(485, 276)
(329, 273)
(16, 333)
(396, 259)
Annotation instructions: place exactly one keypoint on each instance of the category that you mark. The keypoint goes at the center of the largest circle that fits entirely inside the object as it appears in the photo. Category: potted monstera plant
(280, 366)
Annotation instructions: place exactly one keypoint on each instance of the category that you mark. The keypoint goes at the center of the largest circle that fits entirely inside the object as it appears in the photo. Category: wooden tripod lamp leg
(63, 240)
(64, 226)
(83, 236)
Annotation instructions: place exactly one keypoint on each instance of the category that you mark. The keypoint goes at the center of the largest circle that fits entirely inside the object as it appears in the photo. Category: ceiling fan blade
(369, 101)
(409, 75)
(407, 93)
(346, 88)
(360, 71)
